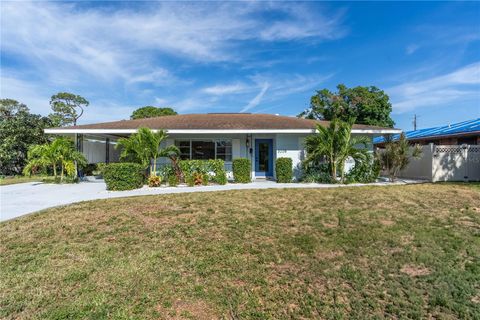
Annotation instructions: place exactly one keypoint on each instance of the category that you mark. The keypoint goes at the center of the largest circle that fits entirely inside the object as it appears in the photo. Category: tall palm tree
(144, 147)
(334, 144)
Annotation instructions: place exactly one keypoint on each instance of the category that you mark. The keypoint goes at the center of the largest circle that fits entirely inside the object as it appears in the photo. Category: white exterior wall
(291, 146)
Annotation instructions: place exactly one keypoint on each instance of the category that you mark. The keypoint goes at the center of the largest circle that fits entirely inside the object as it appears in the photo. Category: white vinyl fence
(445, 163)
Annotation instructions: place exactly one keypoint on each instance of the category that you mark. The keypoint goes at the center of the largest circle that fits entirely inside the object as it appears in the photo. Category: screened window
(224, 150)
(205, 149)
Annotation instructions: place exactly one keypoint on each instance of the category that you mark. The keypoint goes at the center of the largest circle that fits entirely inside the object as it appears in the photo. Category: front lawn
(19, 179)
(371, 252)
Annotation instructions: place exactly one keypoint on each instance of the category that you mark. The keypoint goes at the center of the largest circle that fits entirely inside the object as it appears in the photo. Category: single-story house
(465, 132)
(259, 137)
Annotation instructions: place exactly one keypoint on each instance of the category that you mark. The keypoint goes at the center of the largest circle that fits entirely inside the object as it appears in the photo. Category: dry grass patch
(373, 252)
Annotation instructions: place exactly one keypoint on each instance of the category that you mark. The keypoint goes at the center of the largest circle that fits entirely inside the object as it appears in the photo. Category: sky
(258, 57)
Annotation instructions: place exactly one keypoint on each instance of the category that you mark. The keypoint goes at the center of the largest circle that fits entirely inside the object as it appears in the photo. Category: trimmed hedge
(284, 170)
(241, 170)
(124, 176)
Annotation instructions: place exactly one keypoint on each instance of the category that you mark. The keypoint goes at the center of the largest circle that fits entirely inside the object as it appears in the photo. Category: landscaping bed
(398, 252)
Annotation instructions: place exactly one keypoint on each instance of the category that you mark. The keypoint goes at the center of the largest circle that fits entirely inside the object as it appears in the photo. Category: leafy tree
(151, 112)
(144, 147)
(19, 129)
(334, 145)
(60, 152)
(67, 108)
(397, 155)
(368, 105)
(9, 108)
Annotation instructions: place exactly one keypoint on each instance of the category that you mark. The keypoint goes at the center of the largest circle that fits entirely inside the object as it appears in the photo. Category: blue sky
(259, 57)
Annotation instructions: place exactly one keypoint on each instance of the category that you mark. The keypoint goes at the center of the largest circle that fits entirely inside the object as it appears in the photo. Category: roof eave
(210, 131)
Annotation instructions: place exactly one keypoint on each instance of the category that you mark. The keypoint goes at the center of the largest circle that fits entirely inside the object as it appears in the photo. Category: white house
(260, 137)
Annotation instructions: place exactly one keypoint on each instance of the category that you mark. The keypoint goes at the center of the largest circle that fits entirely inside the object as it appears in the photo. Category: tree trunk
(61, 173)
(155, 166)
(55, 170)
(334, 170)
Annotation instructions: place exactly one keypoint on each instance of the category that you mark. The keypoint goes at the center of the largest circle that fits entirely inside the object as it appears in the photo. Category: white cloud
(125, 53)
(257, 99)
(460, 85)
(227, 89)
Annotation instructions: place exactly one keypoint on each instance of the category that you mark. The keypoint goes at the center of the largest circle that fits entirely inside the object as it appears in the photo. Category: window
(184, 147)
(205, 149)
(224, 150)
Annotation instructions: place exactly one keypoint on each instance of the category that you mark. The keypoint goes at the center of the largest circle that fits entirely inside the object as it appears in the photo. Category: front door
(263, 157)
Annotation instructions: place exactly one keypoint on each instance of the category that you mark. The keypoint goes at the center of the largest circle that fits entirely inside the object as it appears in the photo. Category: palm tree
(144, 147)
(334, 144)
(59, 152)
(67, 156)
(41, 156)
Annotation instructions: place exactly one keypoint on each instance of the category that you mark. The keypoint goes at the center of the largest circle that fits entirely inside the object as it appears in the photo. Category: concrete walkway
(24, 198)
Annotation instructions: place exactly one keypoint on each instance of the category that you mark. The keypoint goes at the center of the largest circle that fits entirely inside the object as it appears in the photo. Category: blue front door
(263, 157)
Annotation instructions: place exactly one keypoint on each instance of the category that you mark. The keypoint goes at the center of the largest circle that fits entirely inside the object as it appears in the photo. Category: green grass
(19, 179)
(349, 253)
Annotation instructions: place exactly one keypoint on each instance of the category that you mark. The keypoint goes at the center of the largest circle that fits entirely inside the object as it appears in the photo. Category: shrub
(199, 178)
(284, 170)
(190, 180)
(218, 168)
(209, 170)
(172, 180)
(366, 171)
(318, 173)
(154, 181)
(241, 170)
(124, 176)
(168, 172)
(100, 168)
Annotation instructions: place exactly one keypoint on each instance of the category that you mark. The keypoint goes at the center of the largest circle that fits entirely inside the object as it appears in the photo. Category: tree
(10, 108)
(59, 153)
(144, 147)
(19, 129)
(368, 105)
(334, 145)
(65, 106)
(397, 155)
(151, 112)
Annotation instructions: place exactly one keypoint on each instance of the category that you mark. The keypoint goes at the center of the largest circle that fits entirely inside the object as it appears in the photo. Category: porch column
(107, 150)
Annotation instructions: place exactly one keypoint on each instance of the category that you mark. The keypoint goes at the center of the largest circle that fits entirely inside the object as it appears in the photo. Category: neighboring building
(259, 137)
(466, 132)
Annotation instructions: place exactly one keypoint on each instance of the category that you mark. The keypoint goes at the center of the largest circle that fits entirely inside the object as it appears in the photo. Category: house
(466, 132)
(259, 137)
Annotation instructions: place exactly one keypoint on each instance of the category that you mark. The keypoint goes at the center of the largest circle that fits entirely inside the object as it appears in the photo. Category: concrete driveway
(20, 199)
